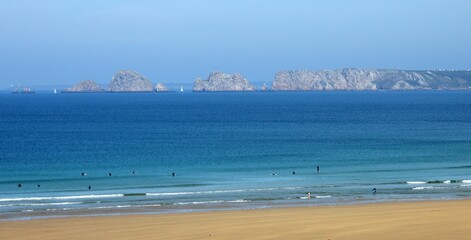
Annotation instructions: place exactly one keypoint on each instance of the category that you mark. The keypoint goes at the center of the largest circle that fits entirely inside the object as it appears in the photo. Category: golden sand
(405, 220)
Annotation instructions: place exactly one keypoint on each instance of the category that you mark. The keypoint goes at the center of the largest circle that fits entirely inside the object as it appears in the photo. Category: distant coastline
(347, 79)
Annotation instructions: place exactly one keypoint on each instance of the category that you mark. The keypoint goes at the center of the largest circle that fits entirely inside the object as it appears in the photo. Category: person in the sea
(318, 168)
(19, 185)
(89, 187)
(83, 173)
(309, 195)
(294, 173)
(109, 174)
(374, 191)
(173, 174)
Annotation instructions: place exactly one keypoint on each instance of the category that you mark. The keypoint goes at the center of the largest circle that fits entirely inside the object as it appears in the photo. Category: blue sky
(56, 42)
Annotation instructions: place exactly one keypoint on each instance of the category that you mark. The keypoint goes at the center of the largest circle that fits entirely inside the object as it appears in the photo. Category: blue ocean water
(229, 150)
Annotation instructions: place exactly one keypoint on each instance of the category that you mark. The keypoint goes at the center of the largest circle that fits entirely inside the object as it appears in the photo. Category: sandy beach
(404, 220)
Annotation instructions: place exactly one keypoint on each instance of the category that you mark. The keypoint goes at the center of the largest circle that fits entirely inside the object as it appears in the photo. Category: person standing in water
(318, 169)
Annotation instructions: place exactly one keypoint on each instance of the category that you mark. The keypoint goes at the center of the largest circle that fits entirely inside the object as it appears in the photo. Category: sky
(57, 42)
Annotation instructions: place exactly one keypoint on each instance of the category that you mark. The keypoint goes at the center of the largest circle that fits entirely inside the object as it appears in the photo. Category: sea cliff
(371, 79)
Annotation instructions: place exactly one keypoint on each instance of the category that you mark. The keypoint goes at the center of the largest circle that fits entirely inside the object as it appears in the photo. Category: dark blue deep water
(229, 150)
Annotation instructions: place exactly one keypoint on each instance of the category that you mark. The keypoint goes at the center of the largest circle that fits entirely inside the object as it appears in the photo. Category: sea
(65, 155)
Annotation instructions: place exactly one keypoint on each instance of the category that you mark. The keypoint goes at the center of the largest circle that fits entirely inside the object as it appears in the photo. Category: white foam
(126, 206)
(416, 182)
(203, 202)
(327, 196)
(220, 191)
(40, 204)
(60, 198)
(466, 181)
(238, 201)
(422, 188)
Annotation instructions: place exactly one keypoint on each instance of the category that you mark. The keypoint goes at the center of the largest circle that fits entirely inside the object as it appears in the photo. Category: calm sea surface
(229, 150)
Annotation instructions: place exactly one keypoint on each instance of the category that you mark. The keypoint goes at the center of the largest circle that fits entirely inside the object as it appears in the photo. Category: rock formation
(85, 86)
(264, 88)
(371, 79)
(160, 87)
(130, 81)
(218, 82)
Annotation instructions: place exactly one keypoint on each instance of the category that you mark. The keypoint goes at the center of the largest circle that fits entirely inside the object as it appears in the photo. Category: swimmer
(374, 191)
(173, 174)
(294, 173)
(19, 185)
(109, 174)
(89, 187)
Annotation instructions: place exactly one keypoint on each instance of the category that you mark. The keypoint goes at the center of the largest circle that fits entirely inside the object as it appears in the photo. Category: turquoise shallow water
(229, 150)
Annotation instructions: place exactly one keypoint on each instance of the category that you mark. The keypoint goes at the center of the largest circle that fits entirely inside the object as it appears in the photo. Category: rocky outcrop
(85, 86)
(264, 88)
(130, 81)
(219, 82)
(160, 87)
(371, 79)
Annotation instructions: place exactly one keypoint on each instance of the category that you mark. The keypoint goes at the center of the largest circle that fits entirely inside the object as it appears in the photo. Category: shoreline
(441, 219)
(158, 209)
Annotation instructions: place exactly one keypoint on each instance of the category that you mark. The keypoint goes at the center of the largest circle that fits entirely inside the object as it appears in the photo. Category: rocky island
(84, 86)
(222, 82)
(130, 81)
(160, 87)
(371, 79)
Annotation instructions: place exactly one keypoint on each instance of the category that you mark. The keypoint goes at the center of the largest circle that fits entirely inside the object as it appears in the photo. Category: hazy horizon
(51, 42)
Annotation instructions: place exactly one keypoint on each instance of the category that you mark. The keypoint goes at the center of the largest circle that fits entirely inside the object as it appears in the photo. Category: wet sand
(404, 220)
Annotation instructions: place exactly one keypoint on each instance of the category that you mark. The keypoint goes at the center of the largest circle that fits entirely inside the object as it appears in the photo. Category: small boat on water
(55, 90)
(181, 89)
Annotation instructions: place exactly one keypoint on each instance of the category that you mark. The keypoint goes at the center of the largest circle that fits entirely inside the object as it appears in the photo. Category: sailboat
(181, 89)
(55, 90)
